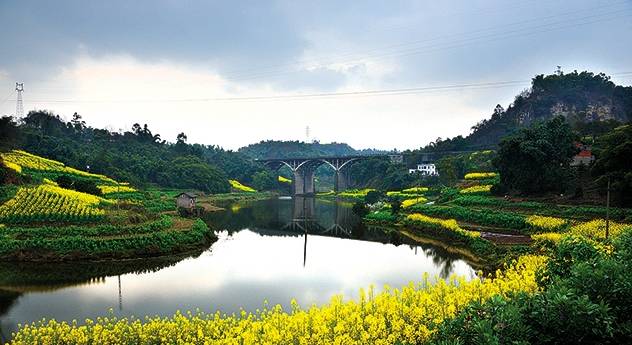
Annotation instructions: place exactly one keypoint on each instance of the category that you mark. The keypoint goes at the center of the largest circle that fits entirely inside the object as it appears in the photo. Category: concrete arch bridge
(303, 170)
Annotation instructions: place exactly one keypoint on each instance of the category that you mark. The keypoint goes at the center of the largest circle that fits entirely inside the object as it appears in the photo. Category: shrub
(360, 209)
(373, 196)
(80, 185)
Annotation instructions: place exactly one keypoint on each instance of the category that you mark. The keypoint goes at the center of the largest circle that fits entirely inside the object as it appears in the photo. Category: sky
(374, 74)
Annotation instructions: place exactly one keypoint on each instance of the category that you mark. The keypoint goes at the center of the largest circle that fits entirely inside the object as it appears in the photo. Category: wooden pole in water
(608, 209)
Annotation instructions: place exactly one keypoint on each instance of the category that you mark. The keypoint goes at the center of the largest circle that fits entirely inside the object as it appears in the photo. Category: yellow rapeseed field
(48, 202)
(394, 316)
(25, 160)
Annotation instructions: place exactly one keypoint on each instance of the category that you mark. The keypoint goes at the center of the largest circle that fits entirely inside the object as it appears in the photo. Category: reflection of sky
(242, 270)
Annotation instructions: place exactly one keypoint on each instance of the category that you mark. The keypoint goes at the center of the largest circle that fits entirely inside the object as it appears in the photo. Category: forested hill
(137, 156)
(590, 102)
(285, 149)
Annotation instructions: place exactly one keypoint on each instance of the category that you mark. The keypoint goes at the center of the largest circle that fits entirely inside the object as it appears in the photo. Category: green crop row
(82, 247)
(483, 217)
(564, 211)
(163, 223)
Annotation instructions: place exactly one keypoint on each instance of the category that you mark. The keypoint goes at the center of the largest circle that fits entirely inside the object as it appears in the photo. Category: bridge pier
(304, 180)
(341, 180)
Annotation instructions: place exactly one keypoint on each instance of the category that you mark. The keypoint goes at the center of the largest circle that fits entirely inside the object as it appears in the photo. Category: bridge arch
(303, 170)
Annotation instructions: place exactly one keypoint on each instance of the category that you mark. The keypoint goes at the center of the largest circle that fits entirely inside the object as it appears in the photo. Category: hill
(284, 149)
(138, 156)
(590, 102)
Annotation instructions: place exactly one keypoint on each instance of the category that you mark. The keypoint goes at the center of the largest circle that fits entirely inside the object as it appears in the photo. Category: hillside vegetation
(58, 213)
(590, 102)
(285, 149)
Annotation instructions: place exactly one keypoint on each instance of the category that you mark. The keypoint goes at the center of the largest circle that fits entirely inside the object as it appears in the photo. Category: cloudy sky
(232, 73)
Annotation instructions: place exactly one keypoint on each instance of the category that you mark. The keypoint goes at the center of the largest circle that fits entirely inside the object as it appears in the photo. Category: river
(272, 250)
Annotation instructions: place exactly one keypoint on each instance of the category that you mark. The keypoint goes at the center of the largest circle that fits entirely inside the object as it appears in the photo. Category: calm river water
(272, 250)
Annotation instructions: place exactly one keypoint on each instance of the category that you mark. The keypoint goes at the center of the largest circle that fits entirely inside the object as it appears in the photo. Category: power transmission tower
(307, 134)
(19, 106)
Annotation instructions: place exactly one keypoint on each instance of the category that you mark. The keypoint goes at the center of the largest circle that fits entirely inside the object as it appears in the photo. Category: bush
(556, 316)
(373, 196)
(80, 185)
(360, 209)
(396, 207)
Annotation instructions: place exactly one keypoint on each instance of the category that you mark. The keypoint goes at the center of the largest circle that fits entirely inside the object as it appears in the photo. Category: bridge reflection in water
(309, 216)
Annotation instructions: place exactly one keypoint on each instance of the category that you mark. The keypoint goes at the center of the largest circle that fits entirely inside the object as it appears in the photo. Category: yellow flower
(546, 223)
(480, 175)
(596, 229)
(240, 187)
(411, 202)
(406, 315)
(283, 179)
(547, 237)
(108, 189)
(477, 189)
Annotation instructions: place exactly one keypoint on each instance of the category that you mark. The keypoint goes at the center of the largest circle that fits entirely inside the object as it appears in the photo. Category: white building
(427, 169)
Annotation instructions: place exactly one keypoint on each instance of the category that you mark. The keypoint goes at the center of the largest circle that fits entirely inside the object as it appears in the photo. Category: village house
(426, 169)
(584, 157)
(186, 200)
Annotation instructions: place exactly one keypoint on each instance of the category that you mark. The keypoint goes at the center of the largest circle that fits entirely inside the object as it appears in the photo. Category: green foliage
(483, 217)
(285, 149)
(360, 209)
(613, 160)
(545, 209)
(537, 159)
(106, 241)
(381, 174)
(138, 156)
(385, 216)
(265, 180)
(374, 196)
(81, 185)
(587, 299)
(556, 316)
(190, 172)
(396, 206)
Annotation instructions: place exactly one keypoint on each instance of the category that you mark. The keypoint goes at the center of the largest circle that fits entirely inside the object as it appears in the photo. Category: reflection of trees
(27, 276)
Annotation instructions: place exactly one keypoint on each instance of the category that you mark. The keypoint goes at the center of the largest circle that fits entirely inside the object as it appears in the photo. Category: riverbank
(55, 213)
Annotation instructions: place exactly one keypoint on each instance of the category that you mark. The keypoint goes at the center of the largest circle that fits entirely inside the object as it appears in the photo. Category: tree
(613, 152)
(537, 159)
(264, 180)
(8, 132)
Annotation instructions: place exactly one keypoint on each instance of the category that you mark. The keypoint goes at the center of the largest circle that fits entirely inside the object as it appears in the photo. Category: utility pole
(608, 209)
(19, 105)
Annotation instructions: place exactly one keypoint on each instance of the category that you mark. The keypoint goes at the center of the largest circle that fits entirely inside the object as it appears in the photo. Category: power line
(380, 92)
(309, 96)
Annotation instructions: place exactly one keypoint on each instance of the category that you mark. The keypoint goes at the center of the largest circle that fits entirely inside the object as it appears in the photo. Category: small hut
(186, 201)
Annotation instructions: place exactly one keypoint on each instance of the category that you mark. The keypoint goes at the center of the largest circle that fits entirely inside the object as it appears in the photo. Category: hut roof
(190, 195)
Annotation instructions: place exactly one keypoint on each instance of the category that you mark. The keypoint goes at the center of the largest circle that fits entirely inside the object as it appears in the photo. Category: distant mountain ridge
(288, 149)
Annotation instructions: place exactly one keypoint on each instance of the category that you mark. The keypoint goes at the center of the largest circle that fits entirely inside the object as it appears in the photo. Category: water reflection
(303, 216)
(271, 250)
